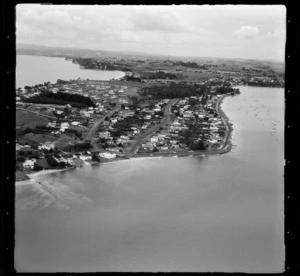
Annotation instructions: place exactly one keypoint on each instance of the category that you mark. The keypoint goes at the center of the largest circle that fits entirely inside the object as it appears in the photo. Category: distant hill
(69, 51)
(32, 49)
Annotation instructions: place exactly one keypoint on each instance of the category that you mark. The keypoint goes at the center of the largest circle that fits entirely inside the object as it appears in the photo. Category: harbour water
(31, 70)
(220, 213)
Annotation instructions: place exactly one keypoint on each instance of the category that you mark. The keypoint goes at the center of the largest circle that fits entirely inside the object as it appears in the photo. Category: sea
(222, 213)
(32, 70)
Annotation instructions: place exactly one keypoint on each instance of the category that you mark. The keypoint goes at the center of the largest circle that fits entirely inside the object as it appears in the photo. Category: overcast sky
(227, 31)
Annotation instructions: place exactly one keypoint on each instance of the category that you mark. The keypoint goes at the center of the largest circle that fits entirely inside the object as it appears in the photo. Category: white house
(108, 155)
(64, 125)
(29, 163)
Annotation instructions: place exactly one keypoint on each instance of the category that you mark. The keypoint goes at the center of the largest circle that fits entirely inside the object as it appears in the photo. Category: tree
(199, 145)
(35, 154)
(95, 157)
(37, 167)
(21, 159)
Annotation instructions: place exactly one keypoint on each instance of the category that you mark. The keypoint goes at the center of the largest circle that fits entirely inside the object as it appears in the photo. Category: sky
(224, 31)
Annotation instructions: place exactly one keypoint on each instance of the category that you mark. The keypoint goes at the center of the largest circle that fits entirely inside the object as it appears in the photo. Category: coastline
(34, 176)
(225, 148)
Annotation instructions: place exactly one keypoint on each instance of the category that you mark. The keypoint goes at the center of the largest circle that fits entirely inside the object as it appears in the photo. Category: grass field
(26, 119)
(64, 142)
(39, 138)
(20, 176)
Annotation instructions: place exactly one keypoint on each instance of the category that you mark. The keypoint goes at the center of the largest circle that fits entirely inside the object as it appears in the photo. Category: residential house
(29, 163)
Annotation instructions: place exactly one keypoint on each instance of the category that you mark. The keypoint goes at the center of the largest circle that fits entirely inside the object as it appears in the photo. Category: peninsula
(169, 110)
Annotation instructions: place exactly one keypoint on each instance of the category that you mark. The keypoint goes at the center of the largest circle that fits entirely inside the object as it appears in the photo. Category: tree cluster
(173, 90)
(90, 63)
(82, 146)
(190, 65)
(131, 78)
(124, 126)
(75, 100)
(162, 75)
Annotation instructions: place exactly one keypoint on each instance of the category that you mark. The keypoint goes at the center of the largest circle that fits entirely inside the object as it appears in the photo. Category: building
(29, 163)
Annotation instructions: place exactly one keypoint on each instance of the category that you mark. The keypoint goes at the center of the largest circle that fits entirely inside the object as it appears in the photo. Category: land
(161, 107)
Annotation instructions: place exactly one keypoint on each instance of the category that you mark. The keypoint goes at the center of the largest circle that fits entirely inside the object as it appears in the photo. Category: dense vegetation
(225, 89)
(173, 90)
(47, 97)
(162, 75)
(124, 126)
(263, 83)
(91, 63)
(190, 138)
(190, 65)
(81, 146)
(131, 78)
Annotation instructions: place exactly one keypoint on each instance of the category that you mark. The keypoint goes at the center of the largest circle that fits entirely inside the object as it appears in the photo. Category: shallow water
(217, 213)
(31, 70)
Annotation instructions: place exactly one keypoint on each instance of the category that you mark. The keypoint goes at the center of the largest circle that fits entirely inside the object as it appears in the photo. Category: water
(212, 214)
(31, 70)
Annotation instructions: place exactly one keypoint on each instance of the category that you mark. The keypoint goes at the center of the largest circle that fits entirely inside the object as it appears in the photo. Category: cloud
(199, 30)
(248, 32)
(277, 33)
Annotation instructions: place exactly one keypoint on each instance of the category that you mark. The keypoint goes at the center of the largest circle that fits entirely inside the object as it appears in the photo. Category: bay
(32, 70)
(212, 214)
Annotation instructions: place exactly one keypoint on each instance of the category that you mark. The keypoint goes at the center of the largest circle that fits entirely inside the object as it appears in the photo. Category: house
(46, 146)
(64, 125)
(18, 146)
(107, 155)
(124, 137)
(104, 134)
(154, 139)
(85, 114)
(85, 157)
(29, 163)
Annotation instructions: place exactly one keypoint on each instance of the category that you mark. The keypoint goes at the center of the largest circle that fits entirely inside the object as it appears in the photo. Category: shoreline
(58, 57)
(225, 148)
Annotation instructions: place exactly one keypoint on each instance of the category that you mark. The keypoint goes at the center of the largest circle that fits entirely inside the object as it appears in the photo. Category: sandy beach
(35, 175)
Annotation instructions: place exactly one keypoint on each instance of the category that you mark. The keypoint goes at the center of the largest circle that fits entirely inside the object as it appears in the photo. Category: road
(91, 132)
(165, 120)
(90, 135)
(226, 146)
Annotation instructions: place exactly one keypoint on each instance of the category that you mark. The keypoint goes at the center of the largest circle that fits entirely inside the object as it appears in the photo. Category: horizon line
(150, 54)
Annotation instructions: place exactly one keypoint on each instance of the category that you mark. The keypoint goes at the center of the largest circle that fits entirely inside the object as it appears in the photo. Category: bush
(37, 167)
(95, 157)
(198, 145)
(20, 159)
(82, 146)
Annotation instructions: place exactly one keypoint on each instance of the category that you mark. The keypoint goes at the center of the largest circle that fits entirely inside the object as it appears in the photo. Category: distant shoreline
(64, 58)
